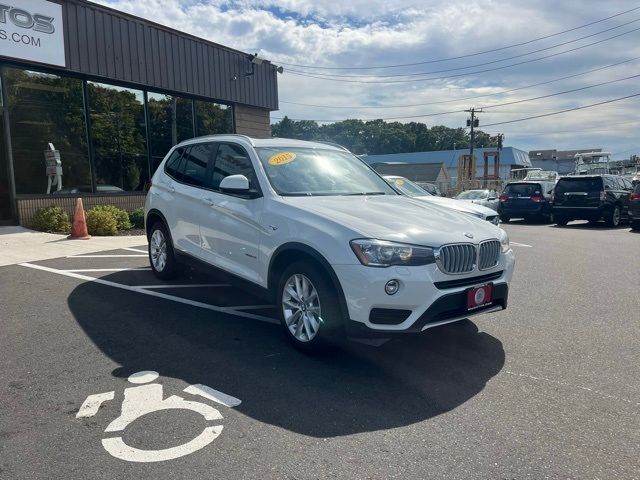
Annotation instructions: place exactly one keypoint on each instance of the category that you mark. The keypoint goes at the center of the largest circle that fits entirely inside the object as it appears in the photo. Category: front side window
(309, 171)
(407, 187)
(233, 160)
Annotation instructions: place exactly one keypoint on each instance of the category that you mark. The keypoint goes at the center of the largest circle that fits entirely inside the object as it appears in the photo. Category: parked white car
(413, 190)
(324, 236)
(486, 198)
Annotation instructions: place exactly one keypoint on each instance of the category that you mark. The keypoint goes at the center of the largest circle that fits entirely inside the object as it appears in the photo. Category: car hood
(466, 207)
(398, 218)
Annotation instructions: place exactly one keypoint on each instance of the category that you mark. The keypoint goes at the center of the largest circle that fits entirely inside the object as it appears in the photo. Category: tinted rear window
(579, 184)
(523, 189)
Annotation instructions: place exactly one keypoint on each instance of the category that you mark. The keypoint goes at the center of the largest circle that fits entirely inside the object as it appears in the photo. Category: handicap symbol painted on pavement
(146, 398)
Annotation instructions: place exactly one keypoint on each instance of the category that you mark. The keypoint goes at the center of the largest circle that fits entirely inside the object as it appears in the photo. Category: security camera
(255, 59)
(280, 69)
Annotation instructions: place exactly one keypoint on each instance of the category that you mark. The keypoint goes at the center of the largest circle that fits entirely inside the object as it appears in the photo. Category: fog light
(392, 287)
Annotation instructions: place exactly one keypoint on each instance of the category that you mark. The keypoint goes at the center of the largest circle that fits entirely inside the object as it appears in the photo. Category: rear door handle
(209, 201)
(172, 189)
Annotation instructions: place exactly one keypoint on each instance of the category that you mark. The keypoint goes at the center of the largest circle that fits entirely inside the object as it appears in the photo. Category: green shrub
(137, 218)
(51, 219)
(121, 216)
(101, 222)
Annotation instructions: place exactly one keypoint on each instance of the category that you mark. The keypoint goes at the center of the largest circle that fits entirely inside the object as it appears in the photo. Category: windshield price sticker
(282, 158)
(399, 181)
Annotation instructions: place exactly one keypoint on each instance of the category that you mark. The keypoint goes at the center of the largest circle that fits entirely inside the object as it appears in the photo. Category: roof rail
(333, 144)
(246, 137)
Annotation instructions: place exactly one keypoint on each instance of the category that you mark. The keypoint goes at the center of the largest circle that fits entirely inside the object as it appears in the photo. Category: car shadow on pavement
(350, 390)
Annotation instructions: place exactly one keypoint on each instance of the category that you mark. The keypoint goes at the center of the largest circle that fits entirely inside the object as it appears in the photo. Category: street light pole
(472, 123)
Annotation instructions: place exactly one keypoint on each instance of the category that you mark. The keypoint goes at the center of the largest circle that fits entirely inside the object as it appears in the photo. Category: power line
(335, 75)
(466, 73)
(562, 111)
(555, 94)
(464, 98)
(466, 55)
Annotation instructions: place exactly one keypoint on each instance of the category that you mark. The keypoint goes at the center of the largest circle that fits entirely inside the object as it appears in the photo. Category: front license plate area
(478, 297)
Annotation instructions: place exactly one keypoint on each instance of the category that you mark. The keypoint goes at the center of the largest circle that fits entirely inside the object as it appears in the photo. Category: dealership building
(93, 98)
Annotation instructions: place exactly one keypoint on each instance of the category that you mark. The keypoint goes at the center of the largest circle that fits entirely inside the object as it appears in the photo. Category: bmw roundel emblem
(468, 235)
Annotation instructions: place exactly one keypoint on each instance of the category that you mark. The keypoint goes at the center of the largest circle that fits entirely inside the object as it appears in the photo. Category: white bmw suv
(316, 229)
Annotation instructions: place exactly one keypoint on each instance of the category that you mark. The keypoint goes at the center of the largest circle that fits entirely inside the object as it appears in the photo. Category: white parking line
(152, 293)
(196, 285)
(86, 270)
(131, 249)
(516, 244)
(107, 256)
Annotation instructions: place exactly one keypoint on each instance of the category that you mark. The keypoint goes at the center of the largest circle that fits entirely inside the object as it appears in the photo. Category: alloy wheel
(301, 308)
(158, 249)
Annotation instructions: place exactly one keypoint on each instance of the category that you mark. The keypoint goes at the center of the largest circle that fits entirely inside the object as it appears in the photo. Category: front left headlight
(381, 253)
(504, 241)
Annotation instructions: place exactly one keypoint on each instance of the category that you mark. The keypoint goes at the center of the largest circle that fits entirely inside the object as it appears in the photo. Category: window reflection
(212, 118)
(46, 109)
(170, 122)
(119, 137)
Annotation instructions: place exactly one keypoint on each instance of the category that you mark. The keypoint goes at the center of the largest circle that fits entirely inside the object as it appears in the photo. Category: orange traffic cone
(79, 228)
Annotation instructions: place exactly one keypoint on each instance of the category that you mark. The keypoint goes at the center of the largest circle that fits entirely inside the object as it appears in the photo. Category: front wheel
(505, 218)
(161, 256)
(562, 221)
(309, 308)
(635, 225)
(612, 219)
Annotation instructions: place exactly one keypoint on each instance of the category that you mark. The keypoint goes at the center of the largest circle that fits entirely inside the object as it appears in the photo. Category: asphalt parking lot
(546, 389)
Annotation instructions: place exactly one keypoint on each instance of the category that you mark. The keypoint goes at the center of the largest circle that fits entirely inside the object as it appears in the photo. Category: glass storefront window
(46, 109)
(119, 137)
(170, 122)
(212, 118)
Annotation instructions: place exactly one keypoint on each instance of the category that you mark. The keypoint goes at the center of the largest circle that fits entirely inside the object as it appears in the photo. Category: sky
(354, 38)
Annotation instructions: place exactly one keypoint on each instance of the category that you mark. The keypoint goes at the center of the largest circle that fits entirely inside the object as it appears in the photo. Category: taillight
(635, 196)
(603, 196)
(537, 199)
(503, 198)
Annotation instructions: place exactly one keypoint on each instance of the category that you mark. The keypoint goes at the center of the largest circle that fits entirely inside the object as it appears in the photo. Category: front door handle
(172, 189)
(209, 201)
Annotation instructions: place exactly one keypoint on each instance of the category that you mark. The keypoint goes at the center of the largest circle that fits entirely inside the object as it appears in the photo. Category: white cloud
(366, 32)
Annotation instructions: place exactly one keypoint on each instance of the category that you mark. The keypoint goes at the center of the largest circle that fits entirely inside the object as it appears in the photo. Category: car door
(190, 192)
(230, 228)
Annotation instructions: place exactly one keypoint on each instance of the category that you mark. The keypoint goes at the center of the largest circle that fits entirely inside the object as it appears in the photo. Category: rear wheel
(309, 308)
(612, 218)
(562, 221)
(161, 256)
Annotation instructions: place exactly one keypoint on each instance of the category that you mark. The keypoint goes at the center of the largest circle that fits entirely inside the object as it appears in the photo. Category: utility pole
(472, 123)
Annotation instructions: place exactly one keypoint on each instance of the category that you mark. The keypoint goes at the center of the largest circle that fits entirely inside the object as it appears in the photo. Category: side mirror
(235, 184)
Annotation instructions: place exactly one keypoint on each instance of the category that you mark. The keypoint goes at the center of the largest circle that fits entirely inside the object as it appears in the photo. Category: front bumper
(426, 295)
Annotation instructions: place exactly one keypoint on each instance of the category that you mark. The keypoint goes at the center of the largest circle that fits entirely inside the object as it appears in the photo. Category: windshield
(407, 187)
(310, 171)
(473, 195)
(585, 184)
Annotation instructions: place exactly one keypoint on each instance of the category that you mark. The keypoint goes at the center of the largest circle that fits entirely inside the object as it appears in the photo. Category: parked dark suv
(634, 207)
(526, 199)
(592, 197)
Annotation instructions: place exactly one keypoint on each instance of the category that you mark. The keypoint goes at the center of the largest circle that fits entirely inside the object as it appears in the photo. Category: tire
(562, 221)
(635, 225)
(161, 247)
(612, 218)
(317, 325)
(505, 218)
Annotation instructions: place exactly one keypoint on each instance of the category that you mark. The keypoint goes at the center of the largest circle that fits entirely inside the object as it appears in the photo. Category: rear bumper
(580, 213)
(538, 209)
(634, 212)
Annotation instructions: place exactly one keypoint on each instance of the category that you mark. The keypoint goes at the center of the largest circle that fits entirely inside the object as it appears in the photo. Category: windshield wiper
(366, 193)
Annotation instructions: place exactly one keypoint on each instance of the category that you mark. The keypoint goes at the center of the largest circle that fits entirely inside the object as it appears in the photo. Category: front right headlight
(504, 241)
(380, 253)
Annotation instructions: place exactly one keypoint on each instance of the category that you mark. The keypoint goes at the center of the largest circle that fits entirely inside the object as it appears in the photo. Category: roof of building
(508, 156)
(423, 172)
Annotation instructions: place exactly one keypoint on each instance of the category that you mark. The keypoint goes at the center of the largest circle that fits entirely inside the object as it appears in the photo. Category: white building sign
(32, 30)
